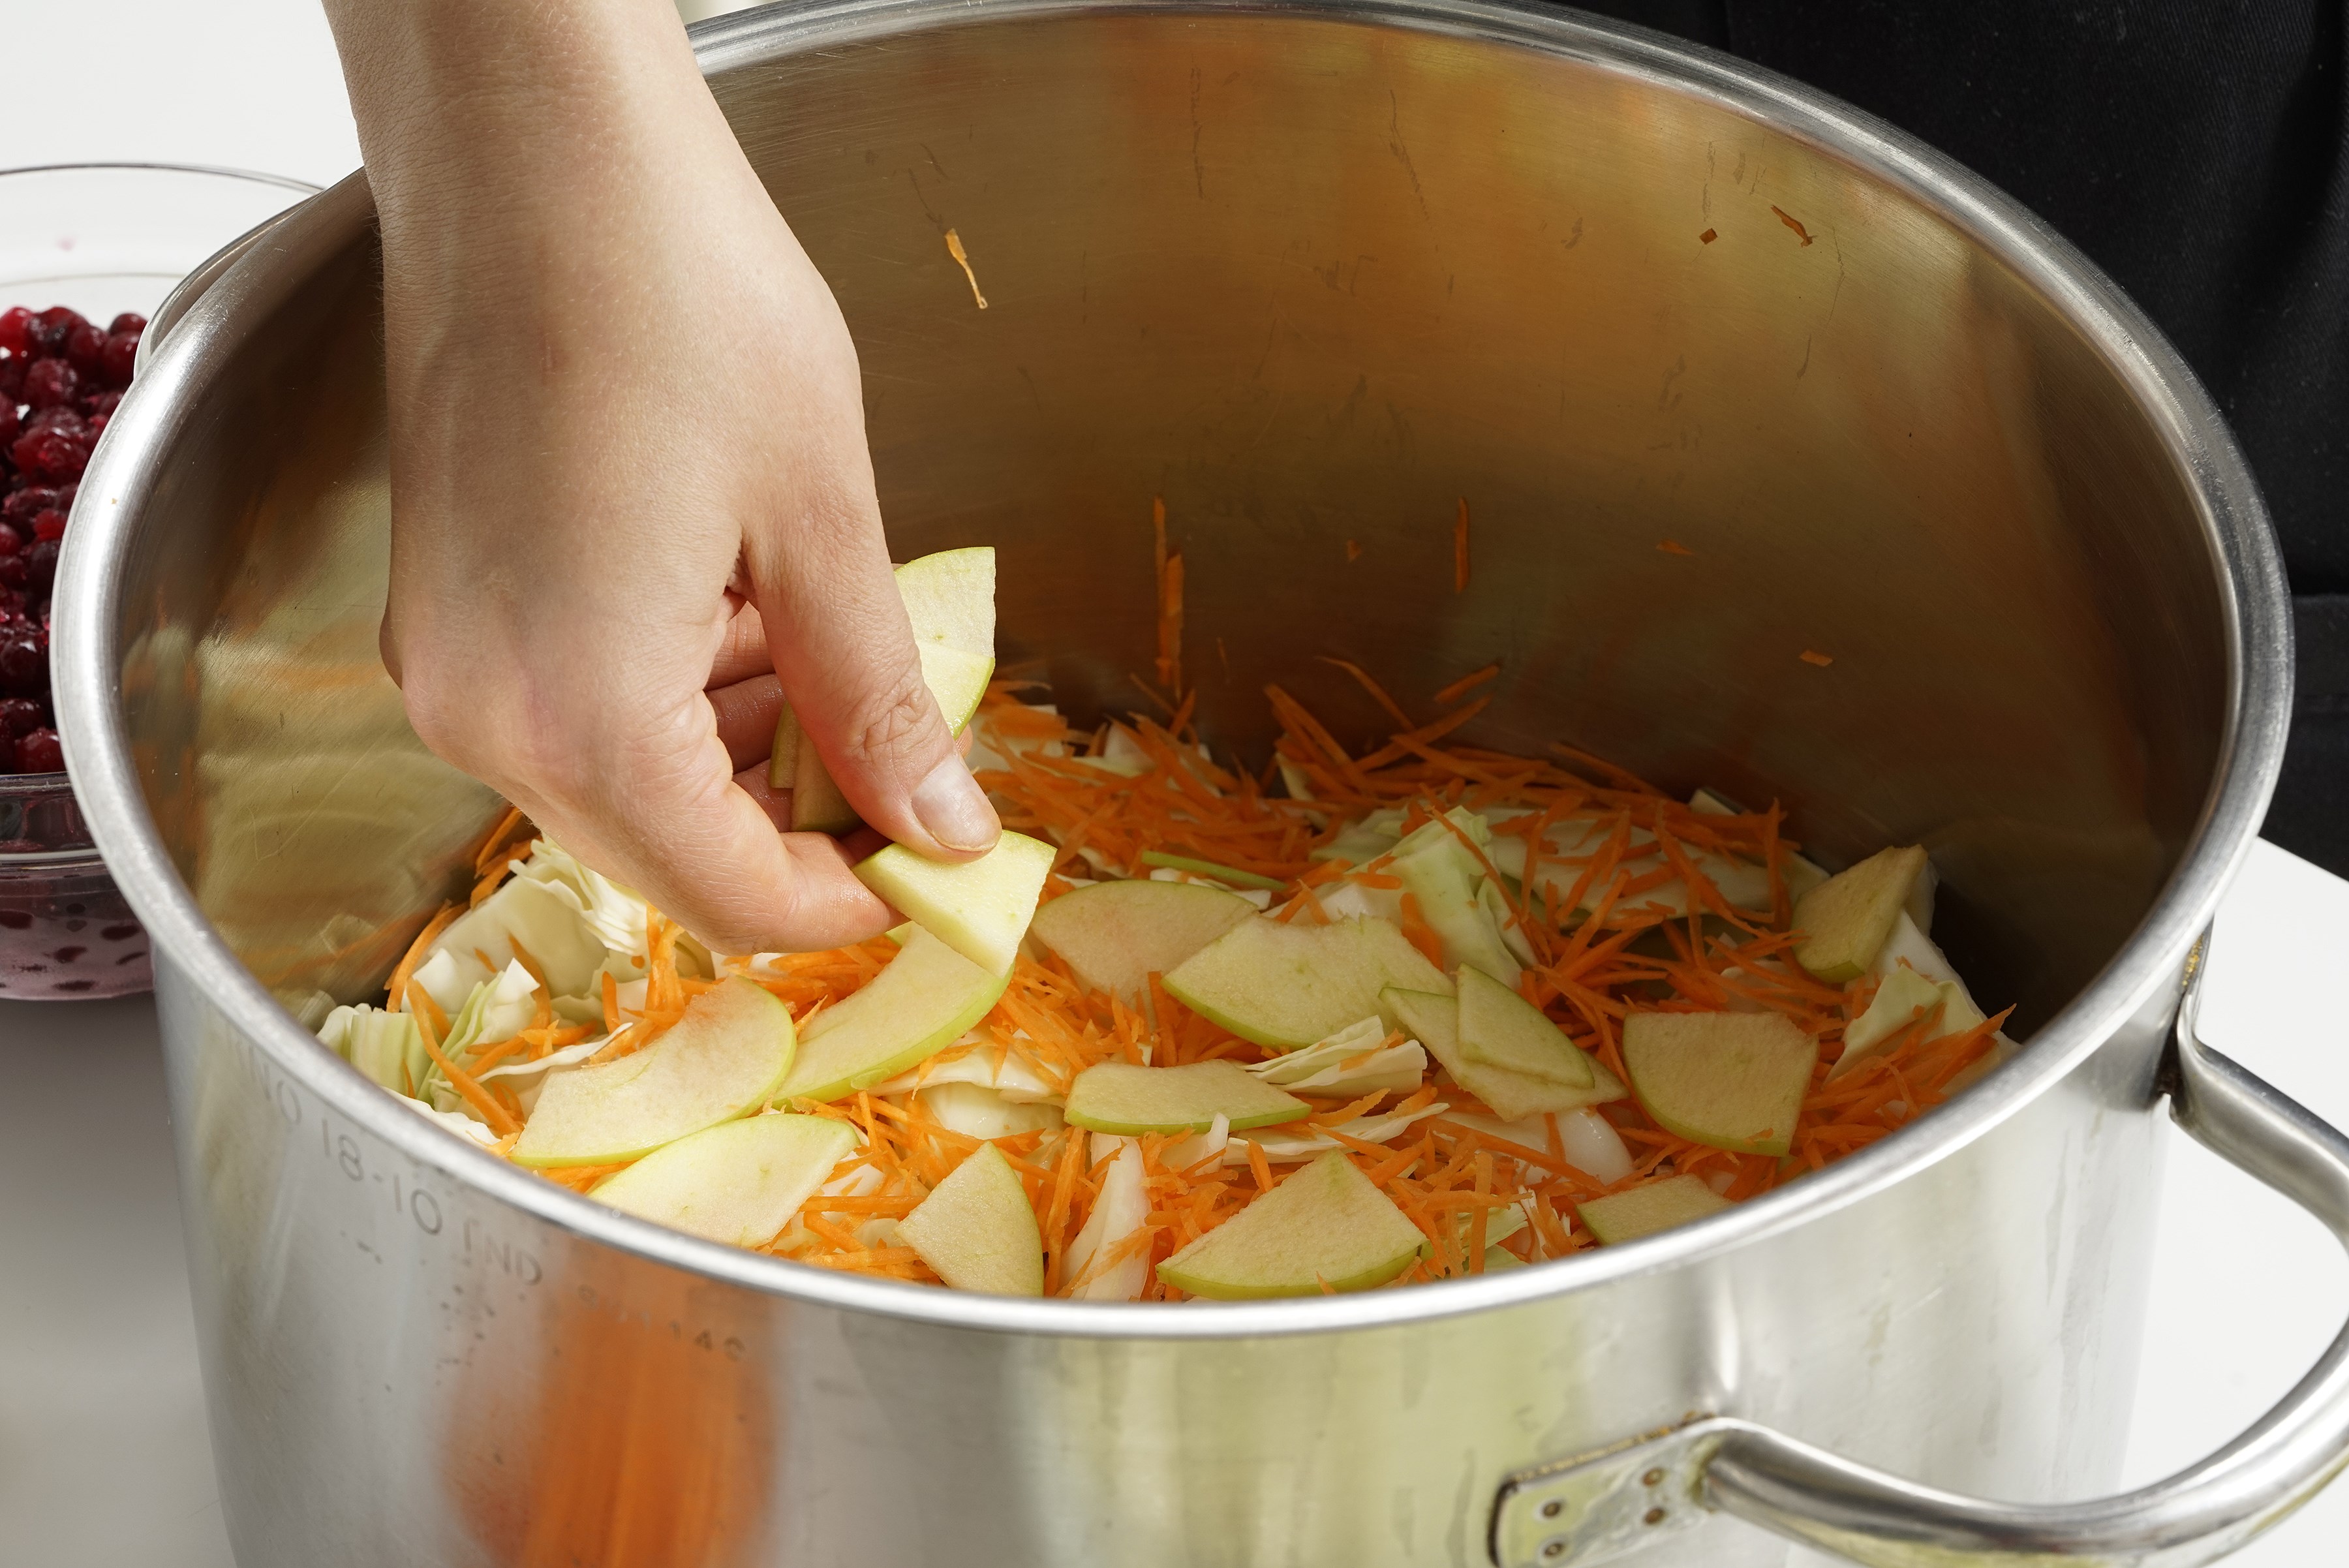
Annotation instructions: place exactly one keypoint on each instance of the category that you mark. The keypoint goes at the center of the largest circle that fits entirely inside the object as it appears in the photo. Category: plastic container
(103, 239)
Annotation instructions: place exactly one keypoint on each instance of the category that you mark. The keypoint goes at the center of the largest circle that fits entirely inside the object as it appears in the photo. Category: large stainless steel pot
(1313, 274)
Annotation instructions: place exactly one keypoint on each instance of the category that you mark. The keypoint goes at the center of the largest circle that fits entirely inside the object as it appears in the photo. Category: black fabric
(2199, 151)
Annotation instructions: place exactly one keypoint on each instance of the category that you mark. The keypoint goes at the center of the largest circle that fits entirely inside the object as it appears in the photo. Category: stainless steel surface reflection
(1315, 275)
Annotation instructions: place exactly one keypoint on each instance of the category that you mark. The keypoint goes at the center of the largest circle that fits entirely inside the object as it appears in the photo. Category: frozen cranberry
(12, 379)
(128, 321)
(19, 510)
(51, 384)
(116, 358)
(86, 351)
(14, 572)
(51, 525)
(40, 566)
(40, 752)
(21, 716)
(24, 664)
(54, 454)
(8, 425)
(61, 418)
(51, 327)
(16, 330)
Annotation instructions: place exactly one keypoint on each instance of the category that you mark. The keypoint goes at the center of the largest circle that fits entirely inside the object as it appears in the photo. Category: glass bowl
(101, 238)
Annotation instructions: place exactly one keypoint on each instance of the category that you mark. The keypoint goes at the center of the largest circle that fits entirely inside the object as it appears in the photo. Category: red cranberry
(41, 565)
(51, 327)
(52, 454)
(16, 330)
(40, 752)
(8, 425)
(24, 664)
(61, 418)
(12, 379)
(116, 358)
(86, 349)
(128, 321)
(15, 572)
(12, 604)
(21, 716)
(51, 384)
(50, 525)
(19, 510)
(11, 541)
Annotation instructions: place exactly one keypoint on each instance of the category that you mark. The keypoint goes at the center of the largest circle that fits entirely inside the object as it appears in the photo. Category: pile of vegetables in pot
(1187, 1030)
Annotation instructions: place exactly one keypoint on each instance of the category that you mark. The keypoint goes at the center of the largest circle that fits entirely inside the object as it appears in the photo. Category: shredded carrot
(1619, 899)
(1169, 575)
(397, 986)
(1794, 224)
(1813, 656)
(1459, 688)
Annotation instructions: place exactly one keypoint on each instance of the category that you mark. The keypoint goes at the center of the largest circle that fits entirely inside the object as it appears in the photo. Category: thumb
(845, 652)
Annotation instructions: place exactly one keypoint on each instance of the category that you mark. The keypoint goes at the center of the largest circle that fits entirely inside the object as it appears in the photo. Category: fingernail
(954, 808)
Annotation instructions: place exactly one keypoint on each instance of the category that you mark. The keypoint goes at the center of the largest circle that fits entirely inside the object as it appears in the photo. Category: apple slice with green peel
(977, 1229)
(978, 908)
(950, 599)
(1644, 1211)
(950, 603)
(1232, 874)
(1114, 936)
(907, 1014)
(1846, 919)
(1441, 874)
(1128, 1100)
(1902, 996)
(1287, 986)
(741, 1182)
(1325, 1226)
(1501, 1029)
(720, 1061)
(1732, 1080)
(1434, 1022)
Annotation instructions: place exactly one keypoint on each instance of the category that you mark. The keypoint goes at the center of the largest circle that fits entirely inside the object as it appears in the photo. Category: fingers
(742, 649)
(746, 712)
(845, 652)
(711, 857)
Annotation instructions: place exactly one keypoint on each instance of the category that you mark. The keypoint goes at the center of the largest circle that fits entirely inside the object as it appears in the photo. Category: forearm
(503, 136)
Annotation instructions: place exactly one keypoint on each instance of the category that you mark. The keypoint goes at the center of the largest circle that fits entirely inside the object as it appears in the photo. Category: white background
(103, 1456)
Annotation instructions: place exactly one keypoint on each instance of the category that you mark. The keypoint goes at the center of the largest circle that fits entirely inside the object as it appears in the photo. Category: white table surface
(103, 1455)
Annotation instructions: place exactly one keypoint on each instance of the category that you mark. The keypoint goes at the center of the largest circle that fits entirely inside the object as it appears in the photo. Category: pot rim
(2243, 553)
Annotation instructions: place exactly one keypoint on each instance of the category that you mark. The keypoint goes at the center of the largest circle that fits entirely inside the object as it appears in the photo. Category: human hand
(632, 505)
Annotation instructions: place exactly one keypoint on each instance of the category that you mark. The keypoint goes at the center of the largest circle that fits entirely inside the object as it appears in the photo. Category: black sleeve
(2194, 148)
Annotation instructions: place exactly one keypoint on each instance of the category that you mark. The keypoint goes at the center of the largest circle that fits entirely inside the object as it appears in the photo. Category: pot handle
(1601, 1506)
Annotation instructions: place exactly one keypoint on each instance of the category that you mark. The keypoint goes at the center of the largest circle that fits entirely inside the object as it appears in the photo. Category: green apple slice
(978, 908)
(1846, 919)
(1434, 1022)
(1733, 1080)
(1221, 873)
(741, 1182)
(1501, 1029)
(720, 1061)
(1326, 1225)
(950, 599)
(907, 1014)
(1122, 1098)
(1439, 872)
(1899, 999)
(1644, 1211)
(1287, 986)
(1114, 936)
(950, 603)
(977, 1229)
